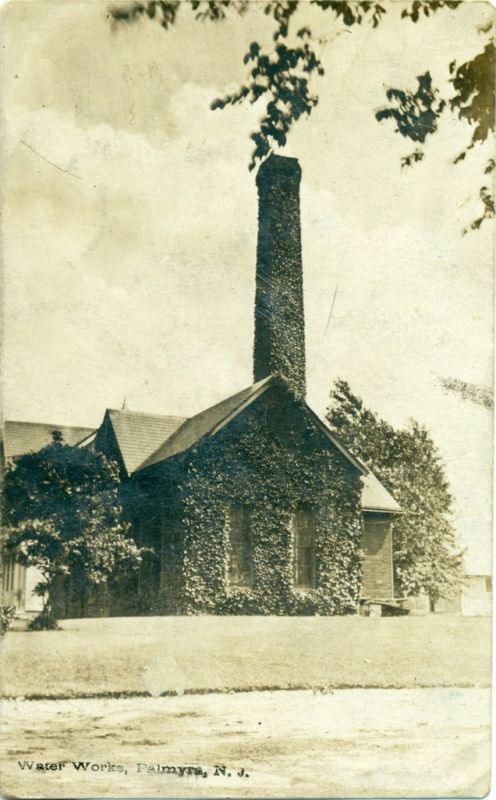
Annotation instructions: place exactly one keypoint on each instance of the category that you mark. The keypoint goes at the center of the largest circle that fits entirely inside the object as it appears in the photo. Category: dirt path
(420, 742)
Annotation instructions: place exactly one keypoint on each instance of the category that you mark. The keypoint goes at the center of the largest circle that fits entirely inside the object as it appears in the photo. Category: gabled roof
(375, 497)
(211, 421)
(206, 423)
(148, 439)
(138, 435)
(29, 437)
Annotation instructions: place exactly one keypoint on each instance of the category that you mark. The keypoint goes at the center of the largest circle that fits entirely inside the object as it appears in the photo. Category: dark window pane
(240, 547)
(304, 548)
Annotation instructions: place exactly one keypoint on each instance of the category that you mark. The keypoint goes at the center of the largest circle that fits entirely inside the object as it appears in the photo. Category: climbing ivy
(271, 459)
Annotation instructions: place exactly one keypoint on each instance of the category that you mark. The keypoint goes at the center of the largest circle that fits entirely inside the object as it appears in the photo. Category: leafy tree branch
(417, 113)
(281, 76)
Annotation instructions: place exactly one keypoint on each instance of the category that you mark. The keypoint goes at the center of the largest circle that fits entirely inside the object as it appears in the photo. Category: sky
(129, 227)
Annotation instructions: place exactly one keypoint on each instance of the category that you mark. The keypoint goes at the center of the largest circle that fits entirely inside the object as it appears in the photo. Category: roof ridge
(257, 386)
(145, 414)
(48, 424)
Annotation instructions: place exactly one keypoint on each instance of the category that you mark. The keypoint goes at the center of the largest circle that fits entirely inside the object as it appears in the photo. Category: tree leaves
(353, 13)
(473, 82)
(427, 7)
(165, 11)
(413, 158)
(480, 395)
(488, 213)
(473, 101)
(426, 557)
(283, 75)
(415, 113)
(62, 513)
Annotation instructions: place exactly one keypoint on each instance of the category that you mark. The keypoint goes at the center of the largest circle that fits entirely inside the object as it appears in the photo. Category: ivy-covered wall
(273, 460)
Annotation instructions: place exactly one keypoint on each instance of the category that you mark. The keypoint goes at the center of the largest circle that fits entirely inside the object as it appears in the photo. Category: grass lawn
(156, 655)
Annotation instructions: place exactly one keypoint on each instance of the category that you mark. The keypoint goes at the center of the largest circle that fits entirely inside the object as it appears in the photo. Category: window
(304, 549)
(240, 562)
(374, 534)
(9, 574)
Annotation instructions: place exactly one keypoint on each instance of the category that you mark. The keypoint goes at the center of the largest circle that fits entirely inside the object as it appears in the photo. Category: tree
(281, 75)
(426, 556)
(473, 392)
(63, 515)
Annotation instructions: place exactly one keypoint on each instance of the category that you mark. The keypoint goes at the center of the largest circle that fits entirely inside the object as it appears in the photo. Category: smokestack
(279, 320)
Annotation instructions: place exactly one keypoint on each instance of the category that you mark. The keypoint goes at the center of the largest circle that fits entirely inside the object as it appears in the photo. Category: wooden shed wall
(377, 546)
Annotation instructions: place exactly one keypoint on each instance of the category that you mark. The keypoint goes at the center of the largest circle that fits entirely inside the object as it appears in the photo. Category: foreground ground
(359, 743)
(156, 655)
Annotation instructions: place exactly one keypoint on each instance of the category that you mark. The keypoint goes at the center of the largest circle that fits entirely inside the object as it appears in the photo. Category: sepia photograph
(246, 451)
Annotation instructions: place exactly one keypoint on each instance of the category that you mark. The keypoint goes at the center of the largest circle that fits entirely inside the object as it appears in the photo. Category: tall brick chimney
(279, 320)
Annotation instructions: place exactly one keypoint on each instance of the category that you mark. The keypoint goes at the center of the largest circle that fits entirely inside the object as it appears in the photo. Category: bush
(45, 621)
(7, 614)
